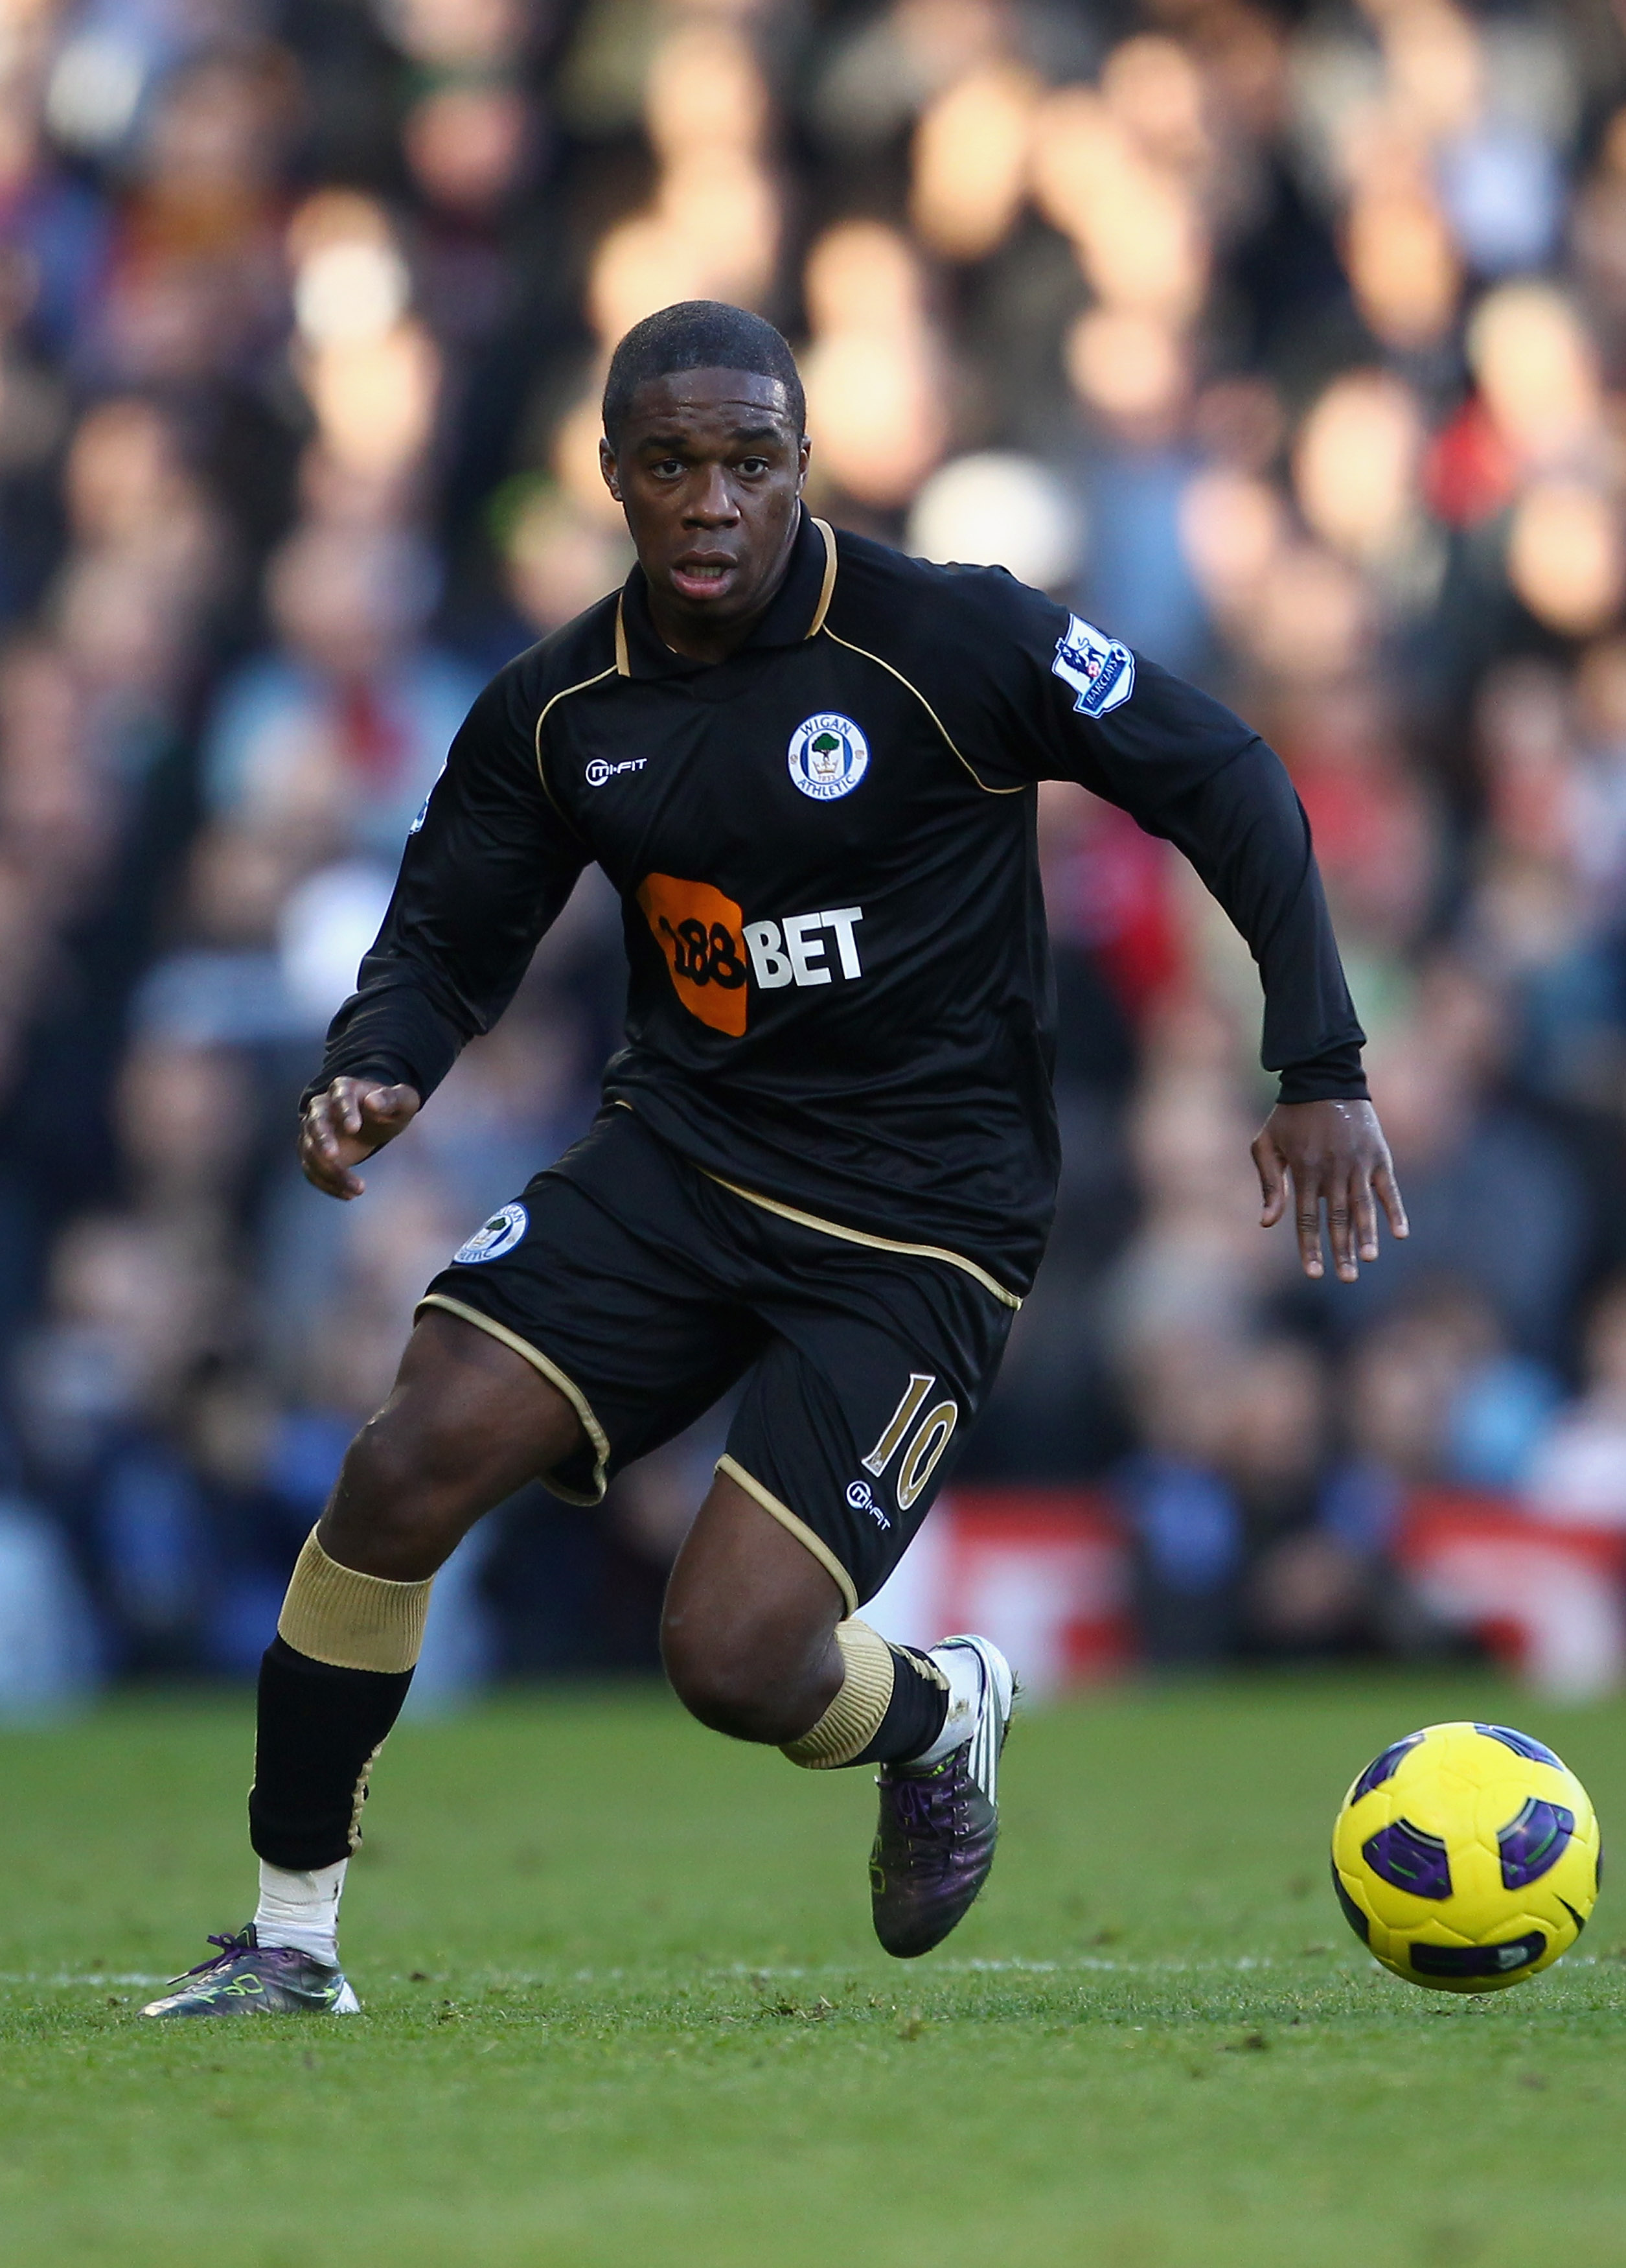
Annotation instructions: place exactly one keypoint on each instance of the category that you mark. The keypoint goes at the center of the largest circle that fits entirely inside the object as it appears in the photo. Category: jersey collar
(798, 611)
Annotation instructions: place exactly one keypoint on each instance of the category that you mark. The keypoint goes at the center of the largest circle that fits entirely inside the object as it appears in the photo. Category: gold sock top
(348, 1620)
(853, 1719)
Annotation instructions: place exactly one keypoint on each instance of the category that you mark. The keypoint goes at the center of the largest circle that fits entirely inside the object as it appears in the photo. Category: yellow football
(1466, 1857)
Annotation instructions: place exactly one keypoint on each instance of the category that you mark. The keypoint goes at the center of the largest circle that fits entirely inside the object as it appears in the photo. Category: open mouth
(702, 578)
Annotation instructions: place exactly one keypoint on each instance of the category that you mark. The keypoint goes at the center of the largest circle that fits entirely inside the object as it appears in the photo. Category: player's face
(709, 474)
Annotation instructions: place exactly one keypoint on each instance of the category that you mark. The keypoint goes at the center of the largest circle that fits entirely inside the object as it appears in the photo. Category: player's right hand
(346, 1123)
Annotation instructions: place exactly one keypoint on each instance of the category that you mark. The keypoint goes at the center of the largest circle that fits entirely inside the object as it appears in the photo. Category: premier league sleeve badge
(1100, 671)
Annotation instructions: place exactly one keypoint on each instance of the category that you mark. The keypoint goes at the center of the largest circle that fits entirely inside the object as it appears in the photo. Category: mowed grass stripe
(623, 2006)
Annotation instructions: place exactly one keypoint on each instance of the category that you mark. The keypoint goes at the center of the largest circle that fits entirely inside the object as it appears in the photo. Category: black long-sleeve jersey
(841, 997)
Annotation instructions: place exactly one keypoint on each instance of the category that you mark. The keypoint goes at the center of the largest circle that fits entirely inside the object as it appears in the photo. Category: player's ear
(607, 465)
(804, 450)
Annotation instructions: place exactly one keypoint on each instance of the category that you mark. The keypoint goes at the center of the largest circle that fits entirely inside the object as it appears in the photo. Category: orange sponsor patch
(698, 930)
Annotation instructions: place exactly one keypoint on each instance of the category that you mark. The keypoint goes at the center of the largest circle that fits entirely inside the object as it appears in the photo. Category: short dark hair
(698, 334)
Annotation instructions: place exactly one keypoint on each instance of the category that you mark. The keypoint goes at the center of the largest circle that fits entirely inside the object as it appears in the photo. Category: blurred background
(1289, 343)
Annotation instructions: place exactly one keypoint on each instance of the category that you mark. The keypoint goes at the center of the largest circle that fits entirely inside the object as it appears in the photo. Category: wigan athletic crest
(827, 757)
(500, 1234)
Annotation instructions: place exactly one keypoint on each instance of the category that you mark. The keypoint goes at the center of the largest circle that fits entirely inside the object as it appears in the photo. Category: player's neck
(699, 640)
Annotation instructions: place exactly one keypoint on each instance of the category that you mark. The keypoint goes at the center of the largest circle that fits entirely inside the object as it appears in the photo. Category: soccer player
(826, 1157)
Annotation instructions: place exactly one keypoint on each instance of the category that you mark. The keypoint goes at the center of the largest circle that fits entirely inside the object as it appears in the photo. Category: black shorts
(645, 1289)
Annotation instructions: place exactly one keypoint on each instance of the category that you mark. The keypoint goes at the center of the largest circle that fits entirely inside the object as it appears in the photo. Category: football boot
(246, 1979)
(939, 1821)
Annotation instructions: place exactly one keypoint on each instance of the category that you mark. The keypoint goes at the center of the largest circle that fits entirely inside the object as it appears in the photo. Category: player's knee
(402, 1501)
(738, 1675)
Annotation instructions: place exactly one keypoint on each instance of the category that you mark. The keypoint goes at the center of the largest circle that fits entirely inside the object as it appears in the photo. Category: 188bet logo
(827, 757)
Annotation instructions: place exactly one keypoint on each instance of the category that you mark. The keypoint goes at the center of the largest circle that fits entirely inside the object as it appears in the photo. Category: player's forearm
(478, 888)
(391, 1031)
(1245, 831)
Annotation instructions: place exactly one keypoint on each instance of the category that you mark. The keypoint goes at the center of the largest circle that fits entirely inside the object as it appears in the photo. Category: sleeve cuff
(1326, 1082)
(388, 1074)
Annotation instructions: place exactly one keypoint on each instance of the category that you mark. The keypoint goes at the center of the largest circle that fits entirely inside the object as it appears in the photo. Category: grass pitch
(623, 2010)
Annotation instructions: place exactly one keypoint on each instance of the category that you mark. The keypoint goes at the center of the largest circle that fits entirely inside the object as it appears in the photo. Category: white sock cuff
(301, 1910)
(962, 1669)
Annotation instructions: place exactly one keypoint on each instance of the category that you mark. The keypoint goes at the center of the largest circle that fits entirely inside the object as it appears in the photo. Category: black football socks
(916, 1712)
(319, 1729)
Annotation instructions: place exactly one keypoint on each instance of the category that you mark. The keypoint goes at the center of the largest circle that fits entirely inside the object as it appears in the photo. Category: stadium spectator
(1578, 1472)
(1220, 324)
(336, 740)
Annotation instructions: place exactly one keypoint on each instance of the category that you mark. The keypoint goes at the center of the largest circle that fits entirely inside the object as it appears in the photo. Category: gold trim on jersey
(731, 1470)
(861, 1236)
(827, 589)
(555, 1376)
(542, 770)
(910, 687)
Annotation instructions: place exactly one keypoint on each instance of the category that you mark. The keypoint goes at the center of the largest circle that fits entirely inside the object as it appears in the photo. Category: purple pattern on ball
(1384, 1767)
(1533, 1842)
(1404, 1856)
(1520, 1743)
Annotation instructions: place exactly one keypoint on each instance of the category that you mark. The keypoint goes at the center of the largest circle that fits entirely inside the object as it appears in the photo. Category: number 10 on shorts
(927, 1443)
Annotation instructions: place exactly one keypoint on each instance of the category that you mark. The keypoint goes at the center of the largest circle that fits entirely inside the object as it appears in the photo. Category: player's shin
(891, 1706)
(332, 1683)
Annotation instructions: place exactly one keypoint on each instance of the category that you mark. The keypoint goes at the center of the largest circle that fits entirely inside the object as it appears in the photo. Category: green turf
(623, 2011)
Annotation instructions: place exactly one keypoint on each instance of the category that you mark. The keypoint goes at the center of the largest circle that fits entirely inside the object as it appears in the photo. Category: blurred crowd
(1288, 344)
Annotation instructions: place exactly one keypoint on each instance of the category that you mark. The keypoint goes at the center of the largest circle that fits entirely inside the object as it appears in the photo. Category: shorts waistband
(863, 1236)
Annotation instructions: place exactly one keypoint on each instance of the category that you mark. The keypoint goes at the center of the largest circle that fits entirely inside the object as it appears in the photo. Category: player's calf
(891, 1703)
(748, 1630)
(754, 1671)
(468, 1421)
(936, 1724)
(332, 1683)
(755, 1646)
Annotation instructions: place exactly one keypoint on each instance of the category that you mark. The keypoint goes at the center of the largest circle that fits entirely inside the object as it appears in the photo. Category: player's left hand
(1333, 1151)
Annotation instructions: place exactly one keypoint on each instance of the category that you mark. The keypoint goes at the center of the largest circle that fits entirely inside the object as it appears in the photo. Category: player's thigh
(631, 1324)
(467, 1423)
(749, 1610)
(847, 1431)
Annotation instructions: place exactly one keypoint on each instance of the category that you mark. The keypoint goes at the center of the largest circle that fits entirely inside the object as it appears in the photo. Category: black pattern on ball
(1479, 1960)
